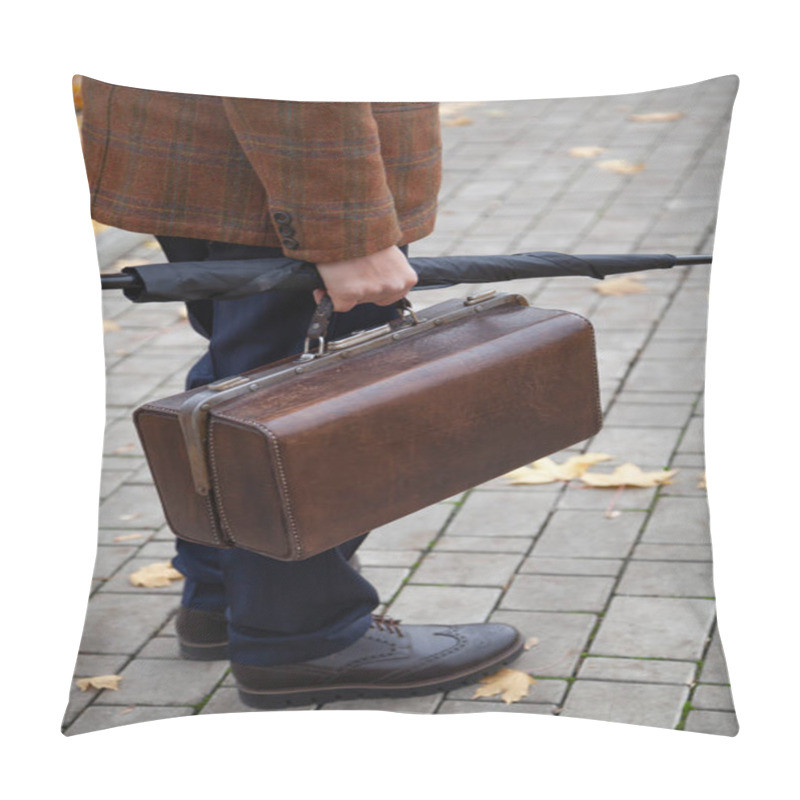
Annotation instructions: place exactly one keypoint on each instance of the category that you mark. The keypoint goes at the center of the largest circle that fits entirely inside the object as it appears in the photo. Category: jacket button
(282, 217)
(289, 243)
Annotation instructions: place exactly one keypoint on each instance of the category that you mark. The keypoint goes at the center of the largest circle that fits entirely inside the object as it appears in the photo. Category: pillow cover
(604, 568)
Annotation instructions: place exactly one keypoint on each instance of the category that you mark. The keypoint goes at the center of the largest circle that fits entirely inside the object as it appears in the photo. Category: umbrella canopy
(226, 280)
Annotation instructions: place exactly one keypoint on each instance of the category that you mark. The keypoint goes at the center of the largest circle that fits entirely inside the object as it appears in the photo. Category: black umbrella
(225, 280)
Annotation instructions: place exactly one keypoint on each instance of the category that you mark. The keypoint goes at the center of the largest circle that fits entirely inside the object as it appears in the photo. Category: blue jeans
(278, 612)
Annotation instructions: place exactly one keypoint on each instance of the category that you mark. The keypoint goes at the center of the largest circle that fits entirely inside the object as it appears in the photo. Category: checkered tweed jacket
(324, 181)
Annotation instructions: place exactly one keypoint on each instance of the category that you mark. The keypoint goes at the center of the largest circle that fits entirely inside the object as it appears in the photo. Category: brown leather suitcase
(302, 455)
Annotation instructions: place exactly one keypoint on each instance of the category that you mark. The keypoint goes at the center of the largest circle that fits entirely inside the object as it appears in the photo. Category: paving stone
(386, 580)
(645, 396)
(671, 552)
(467, 569)
(121, 623)
(426, 704)
(132, 507)
(648, 415)
(715, 669)
(111, 480)
(157, 551)
(638, 670)
(655, 627)
(109, 559)
(648, 448)
(413, 532)
(130, 390)
(161, 647)
(558, 593)
(667, 579)
(723, 723)
(158, 681)
(444, 604)
(388, 558)
(712, 698)
(98, 717)
(679, 520)
(693, 441)
(675, 349)
(628, 311)
(588, 534)
(120, 439)
(659, 706)
(500, 513)
(579, 497)
(689, 482)
(483, 544)
(572, 566)
(473, 706)
(659, 375)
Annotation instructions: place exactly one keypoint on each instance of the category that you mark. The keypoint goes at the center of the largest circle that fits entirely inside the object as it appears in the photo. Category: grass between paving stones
(687, 707)
(198, 707)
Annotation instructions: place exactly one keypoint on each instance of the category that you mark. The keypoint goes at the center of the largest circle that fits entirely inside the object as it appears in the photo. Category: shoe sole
(267, 700)
(203, 652)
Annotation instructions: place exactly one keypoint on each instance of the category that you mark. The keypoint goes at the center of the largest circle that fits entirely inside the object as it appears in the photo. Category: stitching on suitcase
(284, 484)
(221, 508)
(598, 405)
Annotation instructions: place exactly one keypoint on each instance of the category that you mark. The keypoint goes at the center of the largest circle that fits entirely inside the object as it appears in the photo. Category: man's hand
(382, 278)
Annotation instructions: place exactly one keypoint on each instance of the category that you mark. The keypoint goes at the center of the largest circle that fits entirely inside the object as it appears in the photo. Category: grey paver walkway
(621, 604)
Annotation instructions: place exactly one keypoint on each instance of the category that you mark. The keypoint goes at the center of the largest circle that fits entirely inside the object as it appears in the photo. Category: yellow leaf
(127, 537)
(532, 642)
(510, 684)
(627, 475)
(457, 121)
(701, 484)
(545, 470)
(586, 152)
(620, 286)
(99, 682)
(110, 325)
(620, 166)
(155, 575)
(656, 116)
(98, 226)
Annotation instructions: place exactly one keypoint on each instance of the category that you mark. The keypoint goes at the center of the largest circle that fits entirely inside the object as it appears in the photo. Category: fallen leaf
(155, 575)
(510, 684)
(457, 121)
(545, 470)
(98, 226)
(127, 537)
(532, 642)
(124, 448)
(627, 475)
(110, 325)
(656, 116)
(129, 517)
(620, 166)
(99, 682)
(496, 112)
(701, 484)
(620, 286)
(586, 152)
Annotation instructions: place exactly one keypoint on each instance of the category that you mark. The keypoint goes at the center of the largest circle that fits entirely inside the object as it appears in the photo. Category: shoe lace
(383, 623)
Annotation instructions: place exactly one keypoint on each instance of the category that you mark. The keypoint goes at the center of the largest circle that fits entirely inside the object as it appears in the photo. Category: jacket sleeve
(322, 170)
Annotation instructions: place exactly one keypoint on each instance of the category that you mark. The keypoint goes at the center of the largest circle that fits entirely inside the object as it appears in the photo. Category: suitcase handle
(321, 320)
